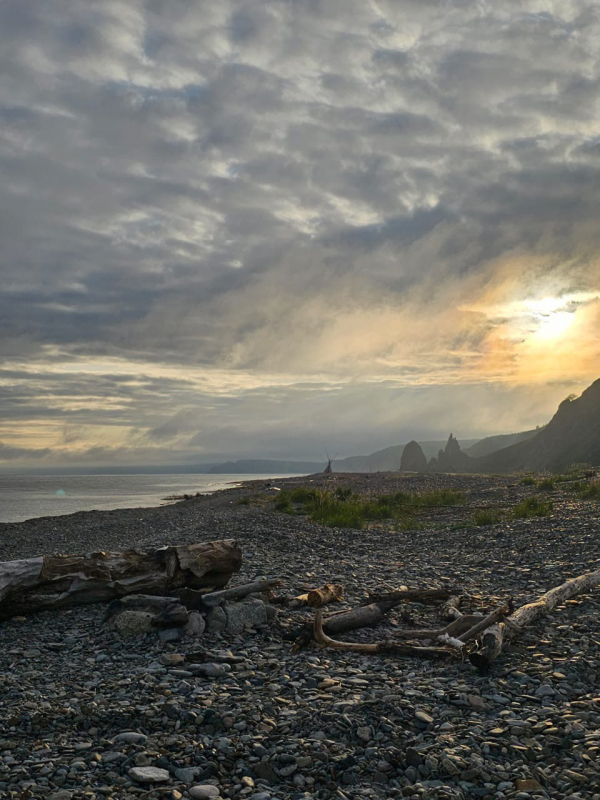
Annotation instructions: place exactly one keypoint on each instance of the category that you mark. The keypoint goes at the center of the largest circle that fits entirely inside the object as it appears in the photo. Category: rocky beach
(88, 713)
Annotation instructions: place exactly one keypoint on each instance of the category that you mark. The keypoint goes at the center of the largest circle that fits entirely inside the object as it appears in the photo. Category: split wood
(327, 593)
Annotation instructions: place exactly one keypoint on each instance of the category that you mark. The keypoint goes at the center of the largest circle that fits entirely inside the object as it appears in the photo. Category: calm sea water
(26, 496)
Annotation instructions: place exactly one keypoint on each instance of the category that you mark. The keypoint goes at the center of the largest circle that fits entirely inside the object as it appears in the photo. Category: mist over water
(24, 497)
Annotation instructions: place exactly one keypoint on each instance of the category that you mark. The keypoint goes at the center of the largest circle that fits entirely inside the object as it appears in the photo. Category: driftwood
(495, 637)
(455, 636)
(385, 647)
(450, 609)
(238, 592)
(61, 581)
(414, 595)
(327, 593)
(343, 621)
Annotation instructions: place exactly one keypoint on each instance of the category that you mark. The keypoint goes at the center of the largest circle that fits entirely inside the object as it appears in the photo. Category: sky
(270, 228)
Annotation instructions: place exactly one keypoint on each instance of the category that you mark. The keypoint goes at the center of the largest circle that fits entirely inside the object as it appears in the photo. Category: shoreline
(25, 499)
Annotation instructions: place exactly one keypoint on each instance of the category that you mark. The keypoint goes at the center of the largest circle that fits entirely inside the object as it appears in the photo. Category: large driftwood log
(495, 637)
(59, 581)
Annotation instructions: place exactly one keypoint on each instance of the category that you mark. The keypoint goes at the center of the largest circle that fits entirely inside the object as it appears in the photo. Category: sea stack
(413, 458)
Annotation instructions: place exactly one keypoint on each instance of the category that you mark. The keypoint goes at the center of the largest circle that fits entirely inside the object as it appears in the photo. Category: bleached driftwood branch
(494, 638)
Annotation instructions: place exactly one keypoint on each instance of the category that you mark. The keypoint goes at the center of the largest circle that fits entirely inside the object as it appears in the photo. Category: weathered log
(62, 581)
(495, 637)
(414, 595)
(327, 593)
(385, 647)
(359, 617)
(237, 592)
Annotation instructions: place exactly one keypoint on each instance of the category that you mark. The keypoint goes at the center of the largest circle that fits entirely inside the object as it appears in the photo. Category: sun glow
(553, 322)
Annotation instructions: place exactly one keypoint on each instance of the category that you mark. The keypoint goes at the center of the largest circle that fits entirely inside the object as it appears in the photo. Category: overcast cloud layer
(263, 228)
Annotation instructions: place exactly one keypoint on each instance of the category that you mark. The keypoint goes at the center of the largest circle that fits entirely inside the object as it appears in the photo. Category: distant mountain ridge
(492, 443)
(385, 460)
(388, 459)
(571, 437)
(257, 466)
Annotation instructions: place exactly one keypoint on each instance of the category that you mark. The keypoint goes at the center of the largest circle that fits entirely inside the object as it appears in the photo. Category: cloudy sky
(264, 228)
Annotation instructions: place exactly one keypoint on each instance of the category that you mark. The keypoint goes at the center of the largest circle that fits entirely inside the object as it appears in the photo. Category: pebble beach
(87, 714)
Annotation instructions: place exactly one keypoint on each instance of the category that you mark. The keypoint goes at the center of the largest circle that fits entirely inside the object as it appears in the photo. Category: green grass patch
(342, 508)
(408, 524)
(437, 498)
(532, 507)
(487, 516)
(546, 485)
(586, 490)
(528, 480)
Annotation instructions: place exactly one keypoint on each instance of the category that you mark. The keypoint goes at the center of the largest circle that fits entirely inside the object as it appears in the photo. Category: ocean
(27, 496)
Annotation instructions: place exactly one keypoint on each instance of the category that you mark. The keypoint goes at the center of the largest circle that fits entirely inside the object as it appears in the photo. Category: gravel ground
(320, 723)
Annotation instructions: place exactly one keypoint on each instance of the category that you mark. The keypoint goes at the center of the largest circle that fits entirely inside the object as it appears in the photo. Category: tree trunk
(494, 638)
(60, 581)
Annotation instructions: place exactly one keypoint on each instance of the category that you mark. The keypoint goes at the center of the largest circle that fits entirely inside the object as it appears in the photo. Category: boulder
(216, 619)
(133, 623)
(196, 624)
(249, 613)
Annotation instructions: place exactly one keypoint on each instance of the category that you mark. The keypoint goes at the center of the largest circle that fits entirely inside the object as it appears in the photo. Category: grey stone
(422, 716)
(216, 619)
(265, 771)
(131, 737)
(171, 634)
(251, 612)
(545, 691)
(212, 670)
(185, 774)
(204, 792)
(133, 623)
(196, 624)
(149, 774)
